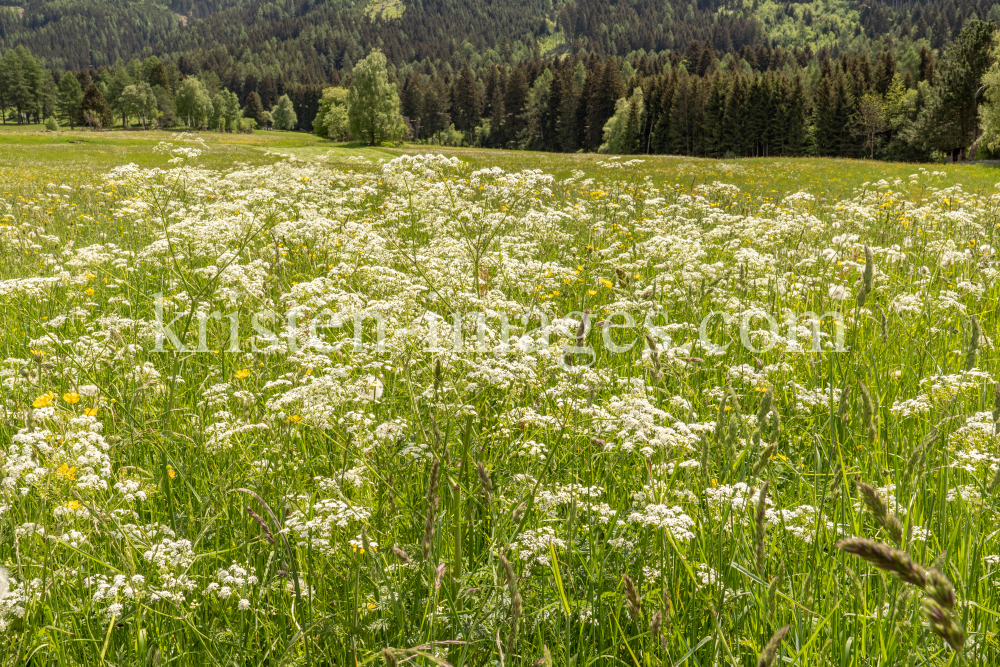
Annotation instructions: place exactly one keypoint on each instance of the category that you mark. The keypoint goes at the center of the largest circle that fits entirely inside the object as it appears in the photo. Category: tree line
(765, 102)
(754, 102)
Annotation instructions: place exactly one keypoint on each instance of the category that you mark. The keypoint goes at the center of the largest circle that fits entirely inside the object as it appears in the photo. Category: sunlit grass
(352, 501)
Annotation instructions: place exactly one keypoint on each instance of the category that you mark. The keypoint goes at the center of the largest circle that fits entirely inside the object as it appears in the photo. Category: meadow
(267, 400)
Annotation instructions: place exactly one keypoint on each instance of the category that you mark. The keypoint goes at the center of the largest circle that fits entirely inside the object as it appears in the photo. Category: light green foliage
(139, 101)
(283, 114)
(373, 103)
(622, 131)
(989, 110)
(51, 124)
(194, 106)
(535, 107)
(819, 23)
(226, 112)
(332, 119)
(385, 9)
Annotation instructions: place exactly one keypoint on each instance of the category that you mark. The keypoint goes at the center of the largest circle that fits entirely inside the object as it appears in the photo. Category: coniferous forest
(901, 81)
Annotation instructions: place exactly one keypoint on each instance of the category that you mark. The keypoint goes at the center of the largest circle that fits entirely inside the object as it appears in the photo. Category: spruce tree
(254, 109)
(660, 139)
(715, 107)
(94, 109)
(467, 101)
(950, 119)
(605, 96)
(411, 102)
(736, 133)
(514, 104)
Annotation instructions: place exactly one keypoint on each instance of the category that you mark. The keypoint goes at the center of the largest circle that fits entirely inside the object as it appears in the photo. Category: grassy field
(270, 400)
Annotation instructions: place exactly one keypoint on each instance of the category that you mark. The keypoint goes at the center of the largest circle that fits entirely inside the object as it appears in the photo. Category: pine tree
(685, 119)
(795, 134)
(434, 115)
(497, 110)
(514, 102)
(605, 96)
(158, 76)
(94, 108)
(950, 119)
(70, 96)
(736, 132)
(660, 140)
(255, 109)
(552, 116)
(467, 101)
(715, 108)
(581, 115)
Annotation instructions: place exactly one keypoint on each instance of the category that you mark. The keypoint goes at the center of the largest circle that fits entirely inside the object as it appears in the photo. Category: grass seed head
(866, 277)
(970, 356)
(885, 558)
(940, 589)
(765, 456)
(943, 625)
(655, 623)
(484, 481)
(770, 651)
(765, 405)
(760, 527)
(868, 412)
(632, 600)
(546, 659)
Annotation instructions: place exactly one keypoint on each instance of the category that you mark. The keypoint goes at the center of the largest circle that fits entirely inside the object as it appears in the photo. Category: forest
(891, 81)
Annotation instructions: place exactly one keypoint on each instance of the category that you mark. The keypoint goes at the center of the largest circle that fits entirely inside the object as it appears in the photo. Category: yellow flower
(66, 472)
(71, 397)
(72, 505)
(293, 419)
(90, 276)
(90, 291)
(591, 292)
(171, 473)
(90, 412)
(242, 373)
(43, 401)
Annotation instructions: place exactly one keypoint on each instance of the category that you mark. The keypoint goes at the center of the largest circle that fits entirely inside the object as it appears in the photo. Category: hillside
(309, 40)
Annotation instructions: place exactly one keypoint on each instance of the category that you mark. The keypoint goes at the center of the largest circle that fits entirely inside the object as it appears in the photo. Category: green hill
(310, 39)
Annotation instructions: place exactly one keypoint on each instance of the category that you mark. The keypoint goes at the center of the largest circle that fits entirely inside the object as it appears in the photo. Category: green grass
(290, 465)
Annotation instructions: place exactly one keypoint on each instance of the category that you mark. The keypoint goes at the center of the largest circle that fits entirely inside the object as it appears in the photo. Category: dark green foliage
(949, 120)
(254, 109)
(95, 110)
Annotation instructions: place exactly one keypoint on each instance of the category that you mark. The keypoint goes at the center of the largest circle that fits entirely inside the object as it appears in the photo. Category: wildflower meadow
(384, 407)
